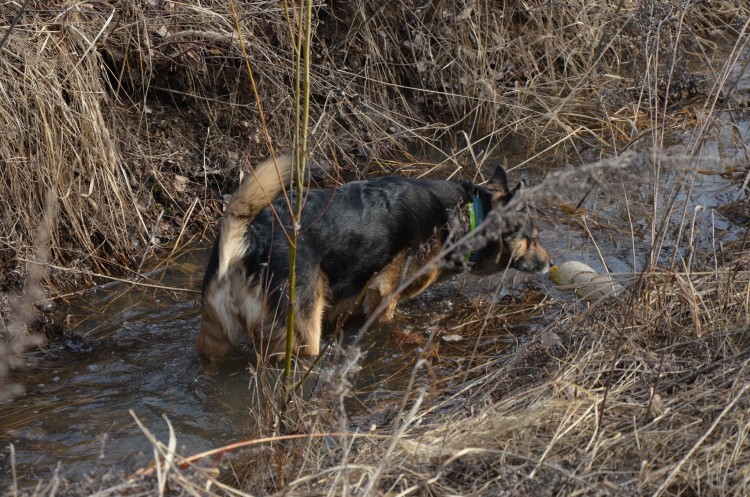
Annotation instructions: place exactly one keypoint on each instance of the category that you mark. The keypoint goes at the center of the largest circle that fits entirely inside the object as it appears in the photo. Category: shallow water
(139, 354)
(142, 357)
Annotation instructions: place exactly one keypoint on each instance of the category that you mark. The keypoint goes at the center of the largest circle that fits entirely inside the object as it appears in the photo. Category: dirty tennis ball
(583, 281)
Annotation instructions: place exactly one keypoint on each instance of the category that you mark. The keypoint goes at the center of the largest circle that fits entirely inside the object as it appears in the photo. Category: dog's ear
(521, 206)
(498, 187)
(499, 180)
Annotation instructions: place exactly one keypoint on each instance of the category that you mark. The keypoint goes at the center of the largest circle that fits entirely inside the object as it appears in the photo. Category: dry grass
(129, 113)
(647, 397)
(17, 339)
(57, 124)
(132, 112)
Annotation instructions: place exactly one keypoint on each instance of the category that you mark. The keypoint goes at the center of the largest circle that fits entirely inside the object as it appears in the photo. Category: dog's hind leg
(308, 318)
(230, 306)
(309, 309)
(213, 345)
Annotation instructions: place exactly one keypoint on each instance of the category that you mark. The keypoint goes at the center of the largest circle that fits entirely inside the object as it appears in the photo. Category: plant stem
(302, 100)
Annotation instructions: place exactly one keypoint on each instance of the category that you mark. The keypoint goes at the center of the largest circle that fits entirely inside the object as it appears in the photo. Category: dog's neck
(476, 217)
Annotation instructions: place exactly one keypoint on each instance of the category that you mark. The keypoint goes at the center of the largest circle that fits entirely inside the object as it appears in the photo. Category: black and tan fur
(375, 233)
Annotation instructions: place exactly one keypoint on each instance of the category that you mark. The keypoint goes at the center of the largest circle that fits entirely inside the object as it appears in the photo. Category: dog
(370, 236)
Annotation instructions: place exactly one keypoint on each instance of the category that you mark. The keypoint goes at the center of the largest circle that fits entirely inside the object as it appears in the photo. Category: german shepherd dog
(365, 236)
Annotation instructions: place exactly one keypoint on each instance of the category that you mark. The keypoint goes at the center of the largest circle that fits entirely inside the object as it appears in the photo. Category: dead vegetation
(132, 112)
(645, 394)
(139, 116)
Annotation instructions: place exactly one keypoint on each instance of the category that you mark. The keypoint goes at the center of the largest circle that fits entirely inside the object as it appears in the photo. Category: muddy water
(136, 355)
(137, 351)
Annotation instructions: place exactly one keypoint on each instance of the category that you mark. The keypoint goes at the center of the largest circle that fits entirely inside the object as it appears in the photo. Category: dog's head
(512, 240)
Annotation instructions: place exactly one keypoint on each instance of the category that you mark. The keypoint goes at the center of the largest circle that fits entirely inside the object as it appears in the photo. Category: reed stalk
(302, 44)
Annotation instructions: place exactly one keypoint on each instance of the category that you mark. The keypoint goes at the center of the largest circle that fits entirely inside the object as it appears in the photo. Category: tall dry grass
(17, 340)
(57, 117)
(130, 112)
(134, 108)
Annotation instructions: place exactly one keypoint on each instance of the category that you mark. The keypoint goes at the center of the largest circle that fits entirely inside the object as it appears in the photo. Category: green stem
(302, 100)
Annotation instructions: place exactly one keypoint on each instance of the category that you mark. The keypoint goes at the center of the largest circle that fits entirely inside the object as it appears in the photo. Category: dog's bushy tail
(257, 191)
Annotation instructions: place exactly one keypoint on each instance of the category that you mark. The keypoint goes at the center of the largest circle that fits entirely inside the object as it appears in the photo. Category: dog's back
(356, 229)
